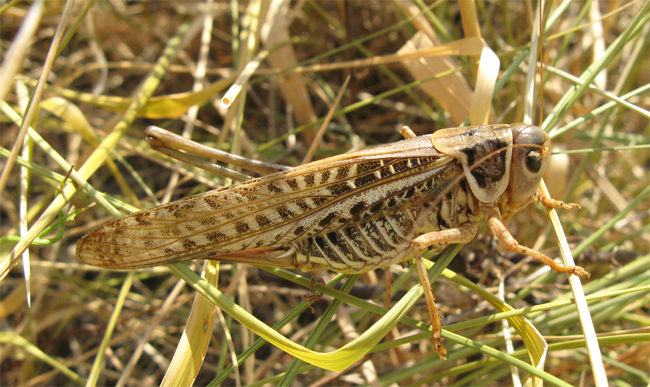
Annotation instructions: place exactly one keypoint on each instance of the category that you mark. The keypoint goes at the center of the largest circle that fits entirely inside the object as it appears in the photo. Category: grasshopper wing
(274, 210)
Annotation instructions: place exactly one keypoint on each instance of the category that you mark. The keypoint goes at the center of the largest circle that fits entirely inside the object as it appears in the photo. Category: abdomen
(386, 239)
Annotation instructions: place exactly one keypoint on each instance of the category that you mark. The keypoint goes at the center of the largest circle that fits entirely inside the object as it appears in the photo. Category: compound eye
(534, 161)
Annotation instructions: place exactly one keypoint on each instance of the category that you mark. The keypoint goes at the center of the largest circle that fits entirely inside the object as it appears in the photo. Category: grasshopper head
(528, 162)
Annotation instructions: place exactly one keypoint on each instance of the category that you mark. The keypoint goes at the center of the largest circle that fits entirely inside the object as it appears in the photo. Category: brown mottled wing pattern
(278, 209)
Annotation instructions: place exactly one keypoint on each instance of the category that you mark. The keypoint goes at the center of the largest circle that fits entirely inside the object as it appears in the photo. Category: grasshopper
(350, 213)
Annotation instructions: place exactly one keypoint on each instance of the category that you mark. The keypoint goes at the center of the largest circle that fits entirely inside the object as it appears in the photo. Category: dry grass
(105, 58)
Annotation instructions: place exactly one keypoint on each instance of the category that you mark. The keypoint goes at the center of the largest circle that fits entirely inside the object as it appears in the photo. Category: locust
(351, 213)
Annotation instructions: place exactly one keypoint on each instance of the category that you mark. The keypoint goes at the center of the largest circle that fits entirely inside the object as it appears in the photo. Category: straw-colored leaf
(191, 350)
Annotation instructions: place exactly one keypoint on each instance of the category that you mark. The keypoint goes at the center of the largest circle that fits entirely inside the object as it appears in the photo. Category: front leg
(552, 203)
(462, 234)
(499, 229)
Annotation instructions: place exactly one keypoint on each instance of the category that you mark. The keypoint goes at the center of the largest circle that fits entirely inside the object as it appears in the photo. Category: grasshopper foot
(578, 271)
(440, 349)
(552, 203)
